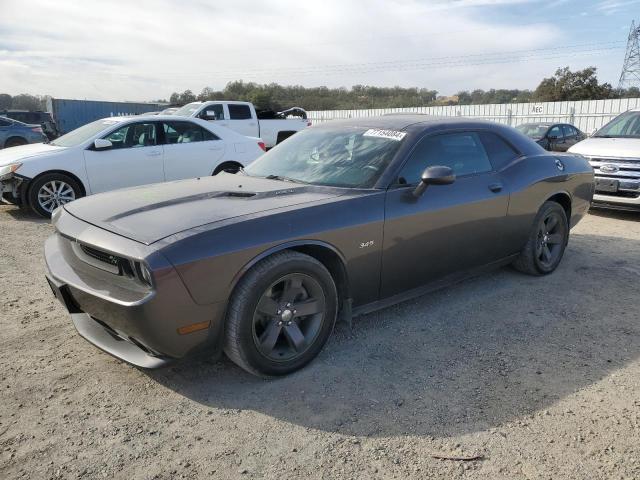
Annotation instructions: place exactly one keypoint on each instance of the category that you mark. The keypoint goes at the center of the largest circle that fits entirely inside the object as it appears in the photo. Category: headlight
(8, 170)
(143, 273)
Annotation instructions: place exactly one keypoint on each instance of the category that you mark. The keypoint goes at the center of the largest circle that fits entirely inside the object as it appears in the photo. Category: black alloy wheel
(288, 317)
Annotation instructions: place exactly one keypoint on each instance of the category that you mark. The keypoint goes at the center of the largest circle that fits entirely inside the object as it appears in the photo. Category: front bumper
(617, 182)
(134, 323)
(626, 195)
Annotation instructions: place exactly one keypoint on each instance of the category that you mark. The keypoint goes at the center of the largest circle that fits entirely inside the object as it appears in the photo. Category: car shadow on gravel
(476, 355)
(22, 214)
(616, 214)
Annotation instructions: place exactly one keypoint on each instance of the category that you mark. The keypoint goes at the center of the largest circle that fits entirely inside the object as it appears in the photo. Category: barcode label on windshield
(390, 134)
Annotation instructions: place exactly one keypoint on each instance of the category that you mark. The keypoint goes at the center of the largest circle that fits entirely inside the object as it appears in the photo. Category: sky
(145, 50)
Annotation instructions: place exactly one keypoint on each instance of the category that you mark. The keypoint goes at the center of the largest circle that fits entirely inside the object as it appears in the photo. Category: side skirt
(431, 287)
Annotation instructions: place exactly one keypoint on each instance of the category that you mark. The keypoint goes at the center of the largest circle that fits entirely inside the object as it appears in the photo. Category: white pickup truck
(271, 127)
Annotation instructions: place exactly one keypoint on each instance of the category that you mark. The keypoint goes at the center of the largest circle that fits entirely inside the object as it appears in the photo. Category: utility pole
(630, 76)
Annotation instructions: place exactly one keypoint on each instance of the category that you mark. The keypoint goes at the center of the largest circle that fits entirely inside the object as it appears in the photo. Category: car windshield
(84, 133)
(626, 125)
(188, 109)
(342, 157)
(532, 130)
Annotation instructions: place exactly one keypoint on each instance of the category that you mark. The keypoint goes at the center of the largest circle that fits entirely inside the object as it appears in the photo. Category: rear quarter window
(499, 151)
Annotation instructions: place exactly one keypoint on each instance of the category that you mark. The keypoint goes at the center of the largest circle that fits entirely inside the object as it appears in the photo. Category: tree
(24, 101)
(567, 85)
(5, 101)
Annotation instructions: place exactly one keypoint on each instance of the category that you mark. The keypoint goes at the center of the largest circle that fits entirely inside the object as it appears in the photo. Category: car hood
(608, 147)
(150, 213)
(26, 152)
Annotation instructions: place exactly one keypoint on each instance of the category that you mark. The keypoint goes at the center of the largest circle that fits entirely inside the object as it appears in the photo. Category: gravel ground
(537, 377)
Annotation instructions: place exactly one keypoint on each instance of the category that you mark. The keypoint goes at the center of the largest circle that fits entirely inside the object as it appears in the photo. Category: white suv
(614, 153)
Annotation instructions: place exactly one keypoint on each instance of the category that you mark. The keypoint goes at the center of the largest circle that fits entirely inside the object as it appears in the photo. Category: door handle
(495, 187)
(155, 153)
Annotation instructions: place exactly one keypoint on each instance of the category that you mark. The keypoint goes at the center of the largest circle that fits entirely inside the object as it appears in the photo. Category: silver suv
(614, 154)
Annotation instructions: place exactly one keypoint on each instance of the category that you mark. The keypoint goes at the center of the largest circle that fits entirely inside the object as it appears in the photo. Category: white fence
(586, 115)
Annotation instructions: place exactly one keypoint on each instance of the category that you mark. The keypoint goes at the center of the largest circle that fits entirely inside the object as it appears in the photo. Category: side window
(4, 123)
(239, 112)
(186, 132)
(213, 112)
(134, 135)
(207, 135)
(555, 132)
(500, 152)
(569, 131)
(462, 152)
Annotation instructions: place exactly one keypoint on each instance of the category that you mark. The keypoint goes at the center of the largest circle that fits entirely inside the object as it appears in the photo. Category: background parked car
(14, 133)
(614, 154)
(243, 118)
(555, 137)
(120, 152)
(169, 111)
(43, 119)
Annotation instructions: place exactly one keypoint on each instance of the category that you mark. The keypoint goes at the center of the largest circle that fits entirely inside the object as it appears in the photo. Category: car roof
(403, 121)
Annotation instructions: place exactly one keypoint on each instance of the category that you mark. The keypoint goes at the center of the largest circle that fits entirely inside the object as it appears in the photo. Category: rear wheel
(52, 190)
(281, 314)
(15, 142)
(547, 241)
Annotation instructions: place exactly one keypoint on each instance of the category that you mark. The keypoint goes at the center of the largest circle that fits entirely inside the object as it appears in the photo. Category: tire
(263, 329)
(547, 241)
(229, 167)
(43, 202)
(15, 142)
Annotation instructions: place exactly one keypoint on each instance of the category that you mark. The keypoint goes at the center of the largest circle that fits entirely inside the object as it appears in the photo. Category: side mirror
(102, 144)
(553, 138)
(437, 175)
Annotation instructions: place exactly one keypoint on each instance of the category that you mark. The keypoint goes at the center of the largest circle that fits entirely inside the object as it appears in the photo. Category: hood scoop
(239, 194)
(181, 200)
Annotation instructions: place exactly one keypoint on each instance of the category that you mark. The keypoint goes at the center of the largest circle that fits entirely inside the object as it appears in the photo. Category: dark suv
(555, 137)
(43, 119)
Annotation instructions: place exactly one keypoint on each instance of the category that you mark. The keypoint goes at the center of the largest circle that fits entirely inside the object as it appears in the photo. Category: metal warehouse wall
(71, 114)
(586, 115)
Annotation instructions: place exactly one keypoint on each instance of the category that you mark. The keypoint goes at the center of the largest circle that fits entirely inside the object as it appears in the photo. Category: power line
(512, 56)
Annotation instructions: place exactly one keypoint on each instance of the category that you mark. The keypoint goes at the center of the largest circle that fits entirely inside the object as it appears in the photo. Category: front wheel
(547, 241)
(52, 190)
(281, 314)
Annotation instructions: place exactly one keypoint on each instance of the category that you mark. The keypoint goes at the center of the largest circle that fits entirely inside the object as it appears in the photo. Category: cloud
(610, 7)
(143, 50)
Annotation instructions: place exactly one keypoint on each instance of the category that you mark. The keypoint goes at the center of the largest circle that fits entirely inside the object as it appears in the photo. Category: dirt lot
(538, 376)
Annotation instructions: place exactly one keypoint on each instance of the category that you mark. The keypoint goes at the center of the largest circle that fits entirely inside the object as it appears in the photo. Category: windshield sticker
(390, 134)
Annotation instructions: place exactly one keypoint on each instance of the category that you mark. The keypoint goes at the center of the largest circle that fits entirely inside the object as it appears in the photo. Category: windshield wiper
(285, 179)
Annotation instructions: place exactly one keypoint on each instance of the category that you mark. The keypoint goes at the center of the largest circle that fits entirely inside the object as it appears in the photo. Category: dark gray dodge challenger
(337, 221)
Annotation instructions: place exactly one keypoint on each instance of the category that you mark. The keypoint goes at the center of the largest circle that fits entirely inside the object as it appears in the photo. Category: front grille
(101, 256)
(102, 260)
(616, 167)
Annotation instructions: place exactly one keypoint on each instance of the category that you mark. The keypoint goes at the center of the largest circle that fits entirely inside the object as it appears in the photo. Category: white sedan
(120, 152)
